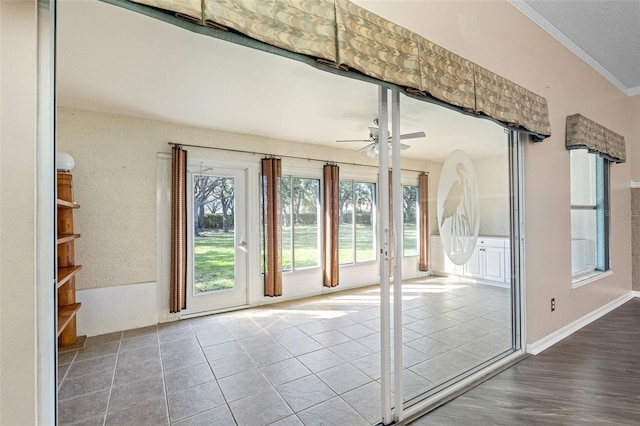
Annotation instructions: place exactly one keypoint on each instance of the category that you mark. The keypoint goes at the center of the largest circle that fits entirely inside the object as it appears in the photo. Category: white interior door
(217, 230)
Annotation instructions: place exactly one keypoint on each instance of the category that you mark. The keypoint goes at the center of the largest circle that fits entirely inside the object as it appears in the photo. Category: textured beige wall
(114, 181)
(496, 36)
(18, 84)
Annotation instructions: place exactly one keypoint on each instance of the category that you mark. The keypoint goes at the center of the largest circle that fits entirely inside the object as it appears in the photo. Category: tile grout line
(270, 382)
(215, 378)
(164, 382)
(312, 373)
(113, 379)
(64, 376)
(260, 370)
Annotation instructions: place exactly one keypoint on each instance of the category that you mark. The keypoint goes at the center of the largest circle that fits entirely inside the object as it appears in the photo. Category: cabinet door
(474, 266)
(494, 264)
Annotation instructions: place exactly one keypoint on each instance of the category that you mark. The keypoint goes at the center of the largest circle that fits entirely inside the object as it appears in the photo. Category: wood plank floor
(590, 378)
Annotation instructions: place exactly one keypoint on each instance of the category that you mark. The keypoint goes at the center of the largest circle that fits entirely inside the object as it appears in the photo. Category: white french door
(217, 232)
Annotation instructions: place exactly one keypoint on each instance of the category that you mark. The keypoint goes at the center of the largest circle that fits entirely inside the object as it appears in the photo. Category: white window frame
(374, 213)
(298, 174)
(601, 206)
(404, 255)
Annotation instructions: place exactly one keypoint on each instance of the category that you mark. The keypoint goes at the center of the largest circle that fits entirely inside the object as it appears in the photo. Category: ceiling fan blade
(367, 147)
(403, 146)
(413, 135)
(355, 140)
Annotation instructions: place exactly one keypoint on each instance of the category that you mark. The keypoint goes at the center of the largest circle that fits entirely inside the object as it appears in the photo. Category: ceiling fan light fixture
(372, 149)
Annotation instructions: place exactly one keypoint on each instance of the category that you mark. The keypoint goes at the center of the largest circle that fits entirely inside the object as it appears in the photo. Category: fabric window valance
(301, 26)
(346, 35)
(584, 133)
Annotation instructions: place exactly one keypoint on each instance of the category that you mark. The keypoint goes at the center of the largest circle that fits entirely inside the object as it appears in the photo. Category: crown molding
(633, 91)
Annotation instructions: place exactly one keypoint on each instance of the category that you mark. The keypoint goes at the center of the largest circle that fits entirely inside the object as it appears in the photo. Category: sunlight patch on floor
(309, 313)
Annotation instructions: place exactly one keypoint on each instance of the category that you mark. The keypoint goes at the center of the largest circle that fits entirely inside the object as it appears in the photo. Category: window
(410, 220)
(589, 205)
(300, 230)
(356, 222)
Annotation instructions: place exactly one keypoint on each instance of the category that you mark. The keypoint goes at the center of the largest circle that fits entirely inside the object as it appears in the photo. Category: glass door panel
(460, 317)
(214, 254)
(217, 277)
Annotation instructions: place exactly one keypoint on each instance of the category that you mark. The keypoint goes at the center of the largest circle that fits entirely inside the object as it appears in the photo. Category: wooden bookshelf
(68, 307)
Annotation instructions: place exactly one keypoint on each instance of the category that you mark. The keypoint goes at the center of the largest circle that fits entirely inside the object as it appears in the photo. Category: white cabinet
(474, 265)
(490, 261)
(494, 263)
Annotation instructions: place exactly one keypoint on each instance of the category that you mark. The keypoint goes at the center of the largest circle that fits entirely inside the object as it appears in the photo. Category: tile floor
(313, 362)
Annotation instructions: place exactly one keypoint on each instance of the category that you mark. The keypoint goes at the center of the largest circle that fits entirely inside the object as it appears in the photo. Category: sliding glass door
(461, 316)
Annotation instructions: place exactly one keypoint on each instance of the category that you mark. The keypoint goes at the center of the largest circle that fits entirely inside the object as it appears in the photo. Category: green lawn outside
(410, 239)
(214, 259)
(214, 252)
(306, 246)
(364, 243)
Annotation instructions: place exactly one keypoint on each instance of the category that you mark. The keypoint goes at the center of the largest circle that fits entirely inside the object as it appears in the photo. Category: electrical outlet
(553, 304)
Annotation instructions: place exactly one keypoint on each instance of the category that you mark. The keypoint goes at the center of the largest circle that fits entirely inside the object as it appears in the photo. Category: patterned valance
(376, 47)
(447, 76)
(348, 36)
(514, 105)
(583, 133)
(189, 9)
(302, 26)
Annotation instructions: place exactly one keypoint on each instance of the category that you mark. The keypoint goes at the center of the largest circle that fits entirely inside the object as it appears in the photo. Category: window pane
(286, 224)
(365, 205)
(305, 222)
(583, 240)
(410, 220)
(346, 222)
(214, 236)
(583, 178)
(589, 228)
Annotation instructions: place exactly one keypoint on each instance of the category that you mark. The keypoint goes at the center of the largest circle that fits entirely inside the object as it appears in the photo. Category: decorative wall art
(458, 207)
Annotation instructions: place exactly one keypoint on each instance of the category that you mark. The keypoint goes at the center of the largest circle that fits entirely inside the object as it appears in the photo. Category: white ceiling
(603, 33)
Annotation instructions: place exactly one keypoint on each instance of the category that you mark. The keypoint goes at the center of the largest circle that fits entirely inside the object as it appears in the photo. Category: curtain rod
(287, 156)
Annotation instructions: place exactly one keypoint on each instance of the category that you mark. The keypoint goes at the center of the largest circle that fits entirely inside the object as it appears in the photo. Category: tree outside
(213, 226)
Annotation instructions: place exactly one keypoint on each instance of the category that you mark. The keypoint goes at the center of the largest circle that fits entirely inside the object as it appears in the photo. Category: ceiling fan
(372, 148)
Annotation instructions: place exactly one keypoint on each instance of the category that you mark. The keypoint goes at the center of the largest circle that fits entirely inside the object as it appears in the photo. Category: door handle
(243, 246)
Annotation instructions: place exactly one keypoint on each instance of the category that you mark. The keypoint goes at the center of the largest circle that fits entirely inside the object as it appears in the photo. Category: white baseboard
(636, 293)
(553, 338)
(108, 309)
